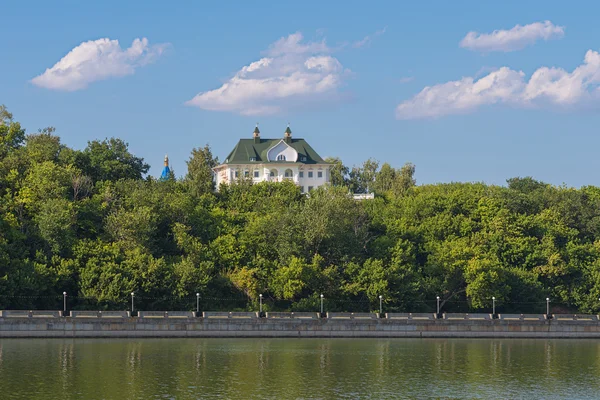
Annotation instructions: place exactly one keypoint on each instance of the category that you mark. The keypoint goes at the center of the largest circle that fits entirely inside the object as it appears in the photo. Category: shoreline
(182, 327)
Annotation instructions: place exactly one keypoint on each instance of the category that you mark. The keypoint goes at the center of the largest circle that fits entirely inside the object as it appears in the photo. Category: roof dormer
(282, 151)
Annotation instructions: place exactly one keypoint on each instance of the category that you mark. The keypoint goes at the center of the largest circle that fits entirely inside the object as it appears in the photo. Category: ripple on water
(300, 369)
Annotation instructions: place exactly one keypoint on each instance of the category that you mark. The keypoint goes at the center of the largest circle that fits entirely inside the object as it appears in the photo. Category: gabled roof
(247, 148)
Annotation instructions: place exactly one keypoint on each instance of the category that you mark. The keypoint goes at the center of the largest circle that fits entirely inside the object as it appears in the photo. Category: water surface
(299, 369)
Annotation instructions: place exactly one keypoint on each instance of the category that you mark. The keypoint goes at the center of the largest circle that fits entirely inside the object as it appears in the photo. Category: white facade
(307, 176)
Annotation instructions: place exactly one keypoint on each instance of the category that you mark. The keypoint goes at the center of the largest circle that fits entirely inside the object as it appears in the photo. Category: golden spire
(166, 160)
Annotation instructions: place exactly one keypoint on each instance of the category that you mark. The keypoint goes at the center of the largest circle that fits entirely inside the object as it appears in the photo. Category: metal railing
(153, 307)
(328, 316)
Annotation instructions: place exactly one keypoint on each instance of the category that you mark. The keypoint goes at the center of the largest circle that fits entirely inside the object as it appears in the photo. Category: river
(299, 369)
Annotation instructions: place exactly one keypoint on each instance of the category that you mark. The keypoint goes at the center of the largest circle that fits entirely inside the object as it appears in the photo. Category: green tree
(55, 221)
(111, 160)
(404, 179)
(42, 147)
(199, 177)
(338, 171)
(12, 135)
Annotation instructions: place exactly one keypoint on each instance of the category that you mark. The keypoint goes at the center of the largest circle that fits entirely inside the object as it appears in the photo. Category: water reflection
(299, 368)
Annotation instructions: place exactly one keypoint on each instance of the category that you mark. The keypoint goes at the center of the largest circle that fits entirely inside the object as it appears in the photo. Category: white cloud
(546, 87)
(406, 79)
(292, 45)
(291, 73)
(368, 39)
(97, 60)
(514, 39)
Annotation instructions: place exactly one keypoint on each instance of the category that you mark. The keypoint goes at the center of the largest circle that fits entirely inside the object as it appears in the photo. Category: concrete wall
(99, 314)
(68, 327)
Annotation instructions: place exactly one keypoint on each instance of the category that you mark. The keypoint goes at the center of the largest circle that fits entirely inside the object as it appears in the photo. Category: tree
(525, 185)
(111, 160)
(289, 281)
(337, 227)
(384, 179)
(46, 181)
(362, 179)
(404, 179)
(338, 171)
(43, 146)
(55, 220)
(12, 135)
(199, 177)
(82, 186)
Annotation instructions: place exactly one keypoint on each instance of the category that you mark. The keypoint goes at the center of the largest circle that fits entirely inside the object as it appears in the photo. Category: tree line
(91, 223)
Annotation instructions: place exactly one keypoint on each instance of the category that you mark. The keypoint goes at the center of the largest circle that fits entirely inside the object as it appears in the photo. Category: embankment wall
(133, 327)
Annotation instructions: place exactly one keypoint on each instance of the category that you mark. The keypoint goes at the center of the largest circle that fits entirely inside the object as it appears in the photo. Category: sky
(470, 91)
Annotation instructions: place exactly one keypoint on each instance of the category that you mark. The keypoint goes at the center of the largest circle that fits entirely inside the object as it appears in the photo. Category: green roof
(247, 148)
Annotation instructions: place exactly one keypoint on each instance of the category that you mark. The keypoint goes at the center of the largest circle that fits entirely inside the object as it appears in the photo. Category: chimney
(287, 136)
(256, 134)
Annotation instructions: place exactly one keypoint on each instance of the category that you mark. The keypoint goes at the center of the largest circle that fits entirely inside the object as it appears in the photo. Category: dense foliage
(89, 223)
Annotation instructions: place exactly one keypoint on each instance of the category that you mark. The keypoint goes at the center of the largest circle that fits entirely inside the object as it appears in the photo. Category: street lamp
(322, 303)
(438, 305)
(260, 301)
(493, 305)
(132, 294)
(197, 303)
(64, 303)
(548, 306)
(380, 306)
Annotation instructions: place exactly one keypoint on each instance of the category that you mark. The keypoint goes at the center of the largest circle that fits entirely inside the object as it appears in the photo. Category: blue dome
(166, 173)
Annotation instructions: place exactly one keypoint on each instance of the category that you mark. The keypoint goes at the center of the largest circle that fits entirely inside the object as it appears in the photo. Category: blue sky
(349, 78)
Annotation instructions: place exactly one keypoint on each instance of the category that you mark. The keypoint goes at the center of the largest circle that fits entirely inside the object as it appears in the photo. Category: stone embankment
(52, 324)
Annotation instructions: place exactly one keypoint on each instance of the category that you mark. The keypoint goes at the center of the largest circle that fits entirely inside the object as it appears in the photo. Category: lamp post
(260, 303)
(380, 306)
(438, 305)
(132, 294)
(493, 305)
(197, 304)
(64, 303)
(322, 304)
(548, 307)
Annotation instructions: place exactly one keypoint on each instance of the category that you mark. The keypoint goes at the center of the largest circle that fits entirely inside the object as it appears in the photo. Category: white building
(274, 160)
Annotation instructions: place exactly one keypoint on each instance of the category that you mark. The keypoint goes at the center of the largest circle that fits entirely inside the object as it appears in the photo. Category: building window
(301, 173)
(236, 174)
(319, 174)
(246, 173)
(310, 175)
(303, 158)
(310, 188)
(256, 174)
(289, 173)
(301, 189)
(273, 173)
(252, 158)
(281, 157)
